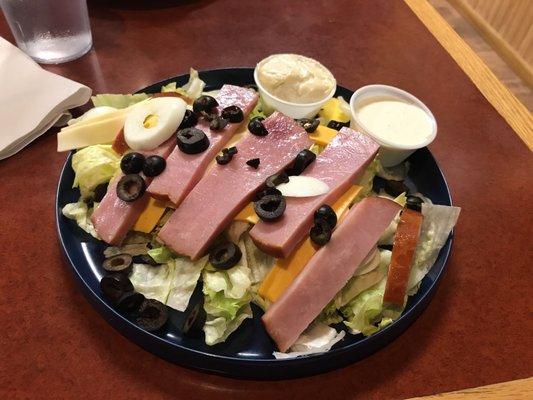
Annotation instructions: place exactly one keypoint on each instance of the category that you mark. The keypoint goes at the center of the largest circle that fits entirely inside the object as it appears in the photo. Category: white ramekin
(391, 153)
(293, 110)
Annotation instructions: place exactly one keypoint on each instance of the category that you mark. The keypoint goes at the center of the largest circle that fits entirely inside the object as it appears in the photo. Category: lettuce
(437, 224)
(258, 261)
(183, 281)
(81, 213)
(227, 299)
(355, 286)
(118, 100)
(152, 282)
(192, 89)
(367, 180)
(363, 313)
(317, 338)
(93, 166)
(172, 283)
(161, 255)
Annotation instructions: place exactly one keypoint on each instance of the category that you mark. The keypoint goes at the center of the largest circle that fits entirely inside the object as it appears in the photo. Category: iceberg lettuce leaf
(94, 165)
(118, 100)
(317, 338)
(81, 213)
(184, 278)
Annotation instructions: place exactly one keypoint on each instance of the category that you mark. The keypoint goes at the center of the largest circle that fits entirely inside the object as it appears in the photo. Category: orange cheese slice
(150, 216)
(286, 270)
(323, 135)
(247, 214)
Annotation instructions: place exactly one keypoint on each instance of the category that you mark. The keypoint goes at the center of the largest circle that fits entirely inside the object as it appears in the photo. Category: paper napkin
(31, 99)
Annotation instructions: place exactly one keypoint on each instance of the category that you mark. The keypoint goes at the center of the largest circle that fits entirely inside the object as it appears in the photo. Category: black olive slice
(223, 159)
(325, 213)
(276, 179)
(256, 127)
(100, 191)
(309, 124)
(230, 150)
(132, 163)
(130, 302)
(218, 123)
(414, 203)
(301, 162)
(265, 192)
(192, 141)
(145, 259)
(114, 286)
(233, 114)
(189, 120)
(254, 163)
(337, 125)
(119, 263)
(195, 320)
(395, 188)
(320, 233)
(153, 315)
(130, 187)
(270, 207)
(225, 255)
(204, 103)
(154, 165)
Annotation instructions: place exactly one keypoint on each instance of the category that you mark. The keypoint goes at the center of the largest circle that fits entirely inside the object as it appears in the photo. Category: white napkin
(31, 99)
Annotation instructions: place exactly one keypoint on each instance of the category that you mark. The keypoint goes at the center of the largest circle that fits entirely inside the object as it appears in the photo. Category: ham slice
(113, 217)
(329, 270)
(183, 171)
(405, 241)
(226, 189)
(343, 161)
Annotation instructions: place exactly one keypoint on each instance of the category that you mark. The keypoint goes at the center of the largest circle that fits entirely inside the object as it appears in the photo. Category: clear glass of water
(49, 31)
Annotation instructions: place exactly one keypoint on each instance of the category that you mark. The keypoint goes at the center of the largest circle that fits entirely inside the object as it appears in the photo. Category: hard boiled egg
(303, 186)
(151, 123)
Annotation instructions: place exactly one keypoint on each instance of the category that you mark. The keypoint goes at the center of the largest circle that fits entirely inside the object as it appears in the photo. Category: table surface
(476, 331)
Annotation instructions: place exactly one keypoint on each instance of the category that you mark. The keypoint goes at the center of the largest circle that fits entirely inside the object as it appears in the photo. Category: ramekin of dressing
(396, 119)
(295, 85)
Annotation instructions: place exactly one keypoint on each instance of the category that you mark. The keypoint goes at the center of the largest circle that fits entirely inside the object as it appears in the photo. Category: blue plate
(248, 352)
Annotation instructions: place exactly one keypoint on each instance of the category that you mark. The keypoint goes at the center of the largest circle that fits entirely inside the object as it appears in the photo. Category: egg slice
(153, 122)
(303, 186)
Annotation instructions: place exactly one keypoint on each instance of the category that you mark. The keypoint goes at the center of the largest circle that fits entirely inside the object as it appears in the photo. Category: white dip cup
(293, 110)
(391, 152)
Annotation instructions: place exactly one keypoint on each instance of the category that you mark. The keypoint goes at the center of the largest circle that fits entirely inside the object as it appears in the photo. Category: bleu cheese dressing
(394, 121)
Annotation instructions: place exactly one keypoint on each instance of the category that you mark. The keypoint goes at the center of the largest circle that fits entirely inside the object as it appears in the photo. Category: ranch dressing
(394, 121)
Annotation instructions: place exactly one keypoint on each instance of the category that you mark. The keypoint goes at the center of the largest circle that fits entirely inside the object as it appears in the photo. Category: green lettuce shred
(226, 299)
(192, 89)
(161, 255)
(81, 213)
(118, 100)
(94, 165)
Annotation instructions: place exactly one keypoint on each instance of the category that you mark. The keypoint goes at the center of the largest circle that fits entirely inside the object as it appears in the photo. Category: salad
(222, 190)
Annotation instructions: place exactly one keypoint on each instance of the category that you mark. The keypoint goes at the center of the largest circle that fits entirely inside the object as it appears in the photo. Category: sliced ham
(183, 171)
(343, 161)
(405, 241)
(226, 189)
(113, 217)
(329, 270)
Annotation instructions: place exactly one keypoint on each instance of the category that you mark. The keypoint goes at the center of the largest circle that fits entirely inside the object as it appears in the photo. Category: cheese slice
(90, 133)
(98, 130)
(152, 213)
(286, 270)
(247, 214)
(323, 135)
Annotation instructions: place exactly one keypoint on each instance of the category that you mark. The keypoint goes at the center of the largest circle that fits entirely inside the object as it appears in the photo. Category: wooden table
(476, 331)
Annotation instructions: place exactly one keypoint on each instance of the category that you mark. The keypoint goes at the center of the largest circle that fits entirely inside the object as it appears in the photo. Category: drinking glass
(49, 31)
